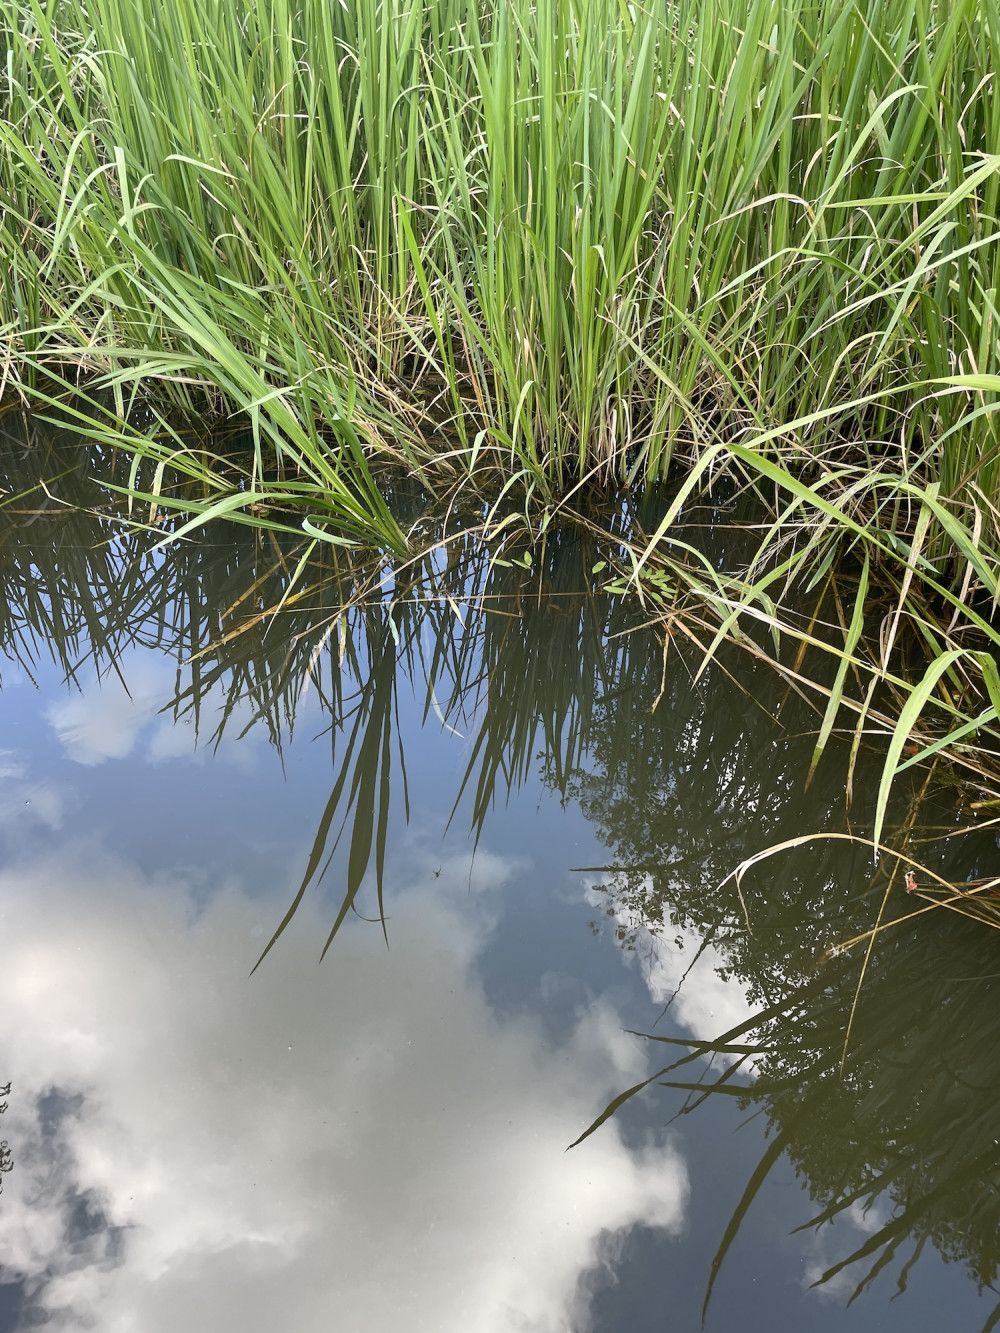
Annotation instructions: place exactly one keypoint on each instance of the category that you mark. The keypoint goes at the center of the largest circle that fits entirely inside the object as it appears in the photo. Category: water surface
(517, 816)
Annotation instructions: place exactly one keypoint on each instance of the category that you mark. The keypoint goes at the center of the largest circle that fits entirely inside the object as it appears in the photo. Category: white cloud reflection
(363, 1145)
(108, 716)
(695, 979)
(105, 718)
(25, 802)
(682, 970)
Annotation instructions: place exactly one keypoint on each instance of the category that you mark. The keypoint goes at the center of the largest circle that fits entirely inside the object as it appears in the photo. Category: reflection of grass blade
(316, 856)
(763, 1169)
(879, 1266)
(372, 703)
(374, 755)
(699, 1049)
(615, 1104)
(837, 690)
(896, 1228)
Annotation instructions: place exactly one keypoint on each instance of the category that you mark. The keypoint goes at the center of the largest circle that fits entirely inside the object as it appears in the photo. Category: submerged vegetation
(551, 246)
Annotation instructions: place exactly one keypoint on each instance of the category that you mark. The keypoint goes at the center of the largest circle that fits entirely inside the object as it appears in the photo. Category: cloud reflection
(25, 802)
(108, 715)
(363, 1145)
(682, 969)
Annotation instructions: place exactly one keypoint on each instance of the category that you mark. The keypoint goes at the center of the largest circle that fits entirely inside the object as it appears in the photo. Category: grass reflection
(535, 666)
(886, 1093)
(896, 1127)
(877, 1072)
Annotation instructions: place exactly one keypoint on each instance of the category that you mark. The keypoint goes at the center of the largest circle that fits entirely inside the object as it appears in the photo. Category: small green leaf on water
(601, 564)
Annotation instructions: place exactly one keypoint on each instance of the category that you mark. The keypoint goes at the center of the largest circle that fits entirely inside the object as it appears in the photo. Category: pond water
(515, 815)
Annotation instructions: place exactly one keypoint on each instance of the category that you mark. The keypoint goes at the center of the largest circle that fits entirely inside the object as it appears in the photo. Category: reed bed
(573, 235)
(569, 243)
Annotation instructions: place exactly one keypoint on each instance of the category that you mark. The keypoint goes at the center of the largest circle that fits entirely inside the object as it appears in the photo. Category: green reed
(579, 232)
(571, 240)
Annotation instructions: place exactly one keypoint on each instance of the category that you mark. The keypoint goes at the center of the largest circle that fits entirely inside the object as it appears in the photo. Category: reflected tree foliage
(883, 1099)
(878, 1074)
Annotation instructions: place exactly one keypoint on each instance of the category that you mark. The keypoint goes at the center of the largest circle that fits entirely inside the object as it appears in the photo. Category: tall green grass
(575, 234)
(568, 241)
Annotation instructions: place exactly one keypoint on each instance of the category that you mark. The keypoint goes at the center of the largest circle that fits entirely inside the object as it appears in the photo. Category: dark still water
(516, 817)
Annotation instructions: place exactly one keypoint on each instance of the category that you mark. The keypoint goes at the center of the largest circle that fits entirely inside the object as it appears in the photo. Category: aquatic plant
(573, 235)
(563, 243)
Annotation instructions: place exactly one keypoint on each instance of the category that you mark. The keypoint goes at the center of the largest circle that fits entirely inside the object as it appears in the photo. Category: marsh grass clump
(564, 243)
(566, 237)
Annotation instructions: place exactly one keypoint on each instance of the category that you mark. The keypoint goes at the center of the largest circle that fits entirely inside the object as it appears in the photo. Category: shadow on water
(881, 1093)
